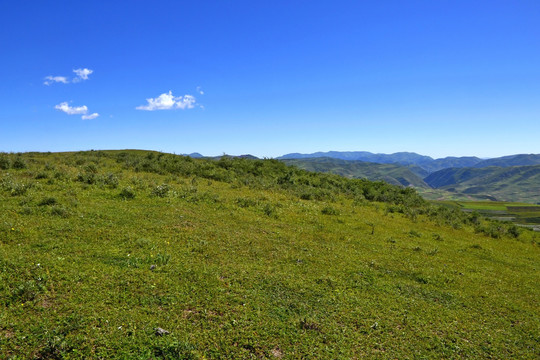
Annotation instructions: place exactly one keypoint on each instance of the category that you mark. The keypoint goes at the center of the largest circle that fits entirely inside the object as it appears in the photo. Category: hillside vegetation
(144, 255)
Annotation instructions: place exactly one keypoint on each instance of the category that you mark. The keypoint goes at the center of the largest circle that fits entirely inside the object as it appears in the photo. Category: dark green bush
(87, 178)
(161, 190)
(19, 163)
(59, 211)
(5, 163)
(328, 210)
(110, 180)
(127, 193)
(48, 201)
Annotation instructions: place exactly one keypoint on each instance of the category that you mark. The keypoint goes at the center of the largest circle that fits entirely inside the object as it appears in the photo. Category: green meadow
(145, 255)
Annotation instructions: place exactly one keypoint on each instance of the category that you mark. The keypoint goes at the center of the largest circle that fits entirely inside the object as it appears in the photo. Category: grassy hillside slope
(241, 258)
(391, 173)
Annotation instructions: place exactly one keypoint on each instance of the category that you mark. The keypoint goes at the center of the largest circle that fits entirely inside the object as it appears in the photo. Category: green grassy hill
(517, 183)
(241, 258)
(391, 173)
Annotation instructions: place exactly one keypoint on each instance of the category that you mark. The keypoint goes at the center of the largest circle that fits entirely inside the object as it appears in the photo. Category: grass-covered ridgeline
(239, 258)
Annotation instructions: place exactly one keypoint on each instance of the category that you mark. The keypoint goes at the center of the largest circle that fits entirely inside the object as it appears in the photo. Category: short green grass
(98, 249)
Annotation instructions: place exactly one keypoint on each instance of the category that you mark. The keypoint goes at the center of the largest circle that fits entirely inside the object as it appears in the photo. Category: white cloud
(82, 74)
(187, 102)
(199, 90)
(53, 79)
(71, 110)
(76, 110)
(90, 117)
(168, 101)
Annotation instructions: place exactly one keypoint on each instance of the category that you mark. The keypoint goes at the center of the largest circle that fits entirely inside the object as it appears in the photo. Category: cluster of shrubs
(270, 173)
(10, 162)
(90, 178)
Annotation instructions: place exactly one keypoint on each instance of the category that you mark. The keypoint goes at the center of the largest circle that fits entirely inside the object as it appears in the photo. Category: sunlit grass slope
(244, 259)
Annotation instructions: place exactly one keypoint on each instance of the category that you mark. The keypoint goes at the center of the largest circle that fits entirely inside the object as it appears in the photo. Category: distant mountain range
(508, 178)
(425, 162)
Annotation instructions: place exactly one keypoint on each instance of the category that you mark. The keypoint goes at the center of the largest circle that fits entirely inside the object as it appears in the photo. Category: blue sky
(440, 78)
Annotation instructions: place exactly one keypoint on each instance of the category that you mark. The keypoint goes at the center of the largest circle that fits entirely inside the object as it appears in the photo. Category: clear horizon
(267, 79)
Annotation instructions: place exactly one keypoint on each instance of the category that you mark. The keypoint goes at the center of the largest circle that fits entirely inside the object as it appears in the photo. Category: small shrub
(328, 210)
(59, 211)
(174, 350)
(437, 237)
(127, 193)
(110, 180)
(60, 175)
(87, 178)
(307, 324)
(474, 218)
(161, 190)
(49, 167)
(138, 182)
(19, 164)
(48, 201)
(493, 230)
(414, 233)
(5, 163)
(18, 189)
(162, 259)
(245, 202)
(25, 210)
(514, 231)
(269, 210)
(41, 175)
(91, 169)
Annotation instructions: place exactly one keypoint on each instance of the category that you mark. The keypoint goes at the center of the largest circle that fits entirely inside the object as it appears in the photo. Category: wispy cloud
(70, 110)
(167, 101)
(81, 74)
(90, 117)
(199, 90)
(54, 79)
(76, 110)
